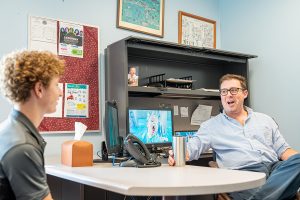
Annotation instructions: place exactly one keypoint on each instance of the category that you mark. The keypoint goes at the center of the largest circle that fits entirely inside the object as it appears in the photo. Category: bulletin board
(79, 71)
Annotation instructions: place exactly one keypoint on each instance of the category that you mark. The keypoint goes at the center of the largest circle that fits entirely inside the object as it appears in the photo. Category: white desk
(159, 181)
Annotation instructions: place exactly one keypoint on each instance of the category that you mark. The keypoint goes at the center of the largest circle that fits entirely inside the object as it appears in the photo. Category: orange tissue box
(76, 153)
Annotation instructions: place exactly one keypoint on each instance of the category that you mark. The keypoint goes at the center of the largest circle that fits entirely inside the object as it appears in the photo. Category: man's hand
(171, 160)
(288, 153)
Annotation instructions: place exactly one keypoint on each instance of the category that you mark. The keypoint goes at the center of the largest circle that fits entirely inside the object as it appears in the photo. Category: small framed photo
(133, 77)
(145, 16)
(196, 31)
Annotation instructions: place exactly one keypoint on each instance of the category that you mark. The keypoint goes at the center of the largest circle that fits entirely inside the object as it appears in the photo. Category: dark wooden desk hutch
(154, 57)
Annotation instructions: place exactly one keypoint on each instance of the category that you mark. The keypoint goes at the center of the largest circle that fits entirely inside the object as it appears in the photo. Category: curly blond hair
(21, 70)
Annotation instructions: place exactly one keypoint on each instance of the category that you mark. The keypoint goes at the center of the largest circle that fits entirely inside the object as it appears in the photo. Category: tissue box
(77, 153)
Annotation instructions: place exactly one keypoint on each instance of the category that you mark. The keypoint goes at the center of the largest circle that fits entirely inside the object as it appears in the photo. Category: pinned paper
(80, 128)
(184, 111)
(201, 114)
(176, 111)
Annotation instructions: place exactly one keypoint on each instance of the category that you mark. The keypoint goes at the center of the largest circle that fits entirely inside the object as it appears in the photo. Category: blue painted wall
(271, 30)
(101, 13)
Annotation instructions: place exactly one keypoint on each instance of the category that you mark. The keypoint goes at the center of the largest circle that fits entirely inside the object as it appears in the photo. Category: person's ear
(245, 94)
(38, 89)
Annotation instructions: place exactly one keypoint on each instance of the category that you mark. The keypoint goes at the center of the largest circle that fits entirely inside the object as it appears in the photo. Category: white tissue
(80, 128)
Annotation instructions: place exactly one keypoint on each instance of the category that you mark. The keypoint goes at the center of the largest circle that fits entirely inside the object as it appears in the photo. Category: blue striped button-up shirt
(237, 146)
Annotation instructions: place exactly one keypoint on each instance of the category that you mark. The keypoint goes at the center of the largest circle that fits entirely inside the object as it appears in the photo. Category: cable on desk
(99, 152)
(113, 158)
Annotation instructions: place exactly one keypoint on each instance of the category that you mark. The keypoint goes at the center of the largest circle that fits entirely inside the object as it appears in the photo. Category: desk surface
(164, 180)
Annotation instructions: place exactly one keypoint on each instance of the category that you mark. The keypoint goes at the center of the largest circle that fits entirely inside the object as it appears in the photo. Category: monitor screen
(186, 133)
(152, 126)
(112, 136)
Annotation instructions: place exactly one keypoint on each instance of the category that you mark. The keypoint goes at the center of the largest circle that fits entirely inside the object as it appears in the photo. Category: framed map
(145, 16)
(196, 31)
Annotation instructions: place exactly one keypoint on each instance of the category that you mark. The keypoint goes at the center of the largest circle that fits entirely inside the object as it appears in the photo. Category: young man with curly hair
(29, 79)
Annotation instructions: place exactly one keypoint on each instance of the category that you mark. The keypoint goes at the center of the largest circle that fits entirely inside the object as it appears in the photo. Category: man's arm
(48, 197)
(23, 166)
(288, 153)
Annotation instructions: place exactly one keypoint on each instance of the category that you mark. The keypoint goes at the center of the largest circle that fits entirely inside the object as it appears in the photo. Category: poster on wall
(70, 40)
(42, 34)
(146, 16)
(76, 100)
(196, 30)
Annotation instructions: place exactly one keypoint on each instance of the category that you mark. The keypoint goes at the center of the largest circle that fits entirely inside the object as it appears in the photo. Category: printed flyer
(76, 100)
(70, 40)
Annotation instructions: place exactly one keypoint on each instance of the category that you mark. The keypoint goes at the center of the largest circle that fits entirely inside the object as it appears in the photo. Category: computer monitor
(186, 133)
(154, 127)
(112, 136)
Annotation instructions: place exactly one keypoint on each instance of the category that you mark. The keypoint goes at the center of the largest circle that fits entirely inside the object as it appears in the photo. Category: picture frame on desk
(196, 31)
(147, 18)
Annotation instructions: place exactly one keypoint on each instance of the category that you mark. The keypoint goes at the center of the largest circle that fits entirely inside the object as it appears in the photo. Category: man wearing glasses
(247, 140)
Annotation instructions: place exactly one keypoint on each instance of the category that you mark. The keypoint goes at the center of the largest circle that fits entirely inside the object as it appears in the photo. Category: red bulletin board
(80, 71)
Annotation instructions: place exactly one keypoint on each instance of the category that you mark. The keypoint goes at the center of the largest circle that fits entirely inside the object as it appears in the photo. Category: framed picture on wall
(196, 31)
(145, 16)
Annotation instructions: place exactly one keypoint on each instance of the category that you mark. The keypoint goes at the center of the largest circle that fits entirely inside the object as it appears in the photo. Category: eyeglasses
(232, 91)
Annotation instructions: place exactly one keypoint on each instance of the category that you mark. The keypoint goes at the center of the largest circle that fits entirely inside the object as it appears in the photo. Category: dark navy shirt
(22, 172)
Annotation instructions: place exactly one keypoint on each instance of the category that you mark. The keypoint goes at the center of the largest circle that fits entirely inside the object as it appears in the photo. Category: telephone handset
(138, 150)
